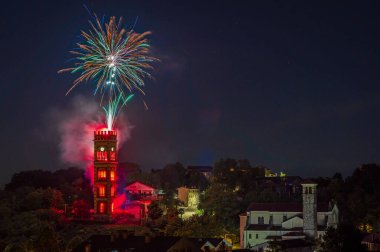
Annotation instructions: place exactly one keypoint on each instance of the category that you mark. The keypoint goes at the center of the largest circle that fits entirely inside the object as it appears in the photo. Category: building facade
(264, 222)
(189, 196)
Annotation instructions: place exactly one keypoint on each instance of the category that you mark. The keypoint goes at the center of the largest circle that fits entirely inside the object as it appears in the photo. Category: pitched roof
(294, 233)
(284, 207)
(138, 185)
(273, 237)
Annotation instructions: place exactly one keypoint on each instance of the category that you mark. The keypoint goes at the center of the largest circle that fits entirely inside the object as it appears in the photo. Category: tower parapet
(105, 162)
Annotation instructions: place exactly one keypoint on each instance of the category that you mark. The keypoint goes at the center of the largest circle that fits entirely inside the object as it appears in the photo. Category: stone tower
(105, 162)
(309, 203)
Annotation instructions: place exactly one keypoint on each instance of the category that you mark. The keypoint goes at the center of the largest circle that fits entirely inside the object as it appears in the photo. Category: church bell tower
(309, 203)
(105, 162)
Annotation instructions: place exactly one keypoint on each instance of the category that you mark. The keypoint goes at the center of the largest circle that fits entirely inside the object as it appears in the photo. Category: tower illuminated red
(105, 162)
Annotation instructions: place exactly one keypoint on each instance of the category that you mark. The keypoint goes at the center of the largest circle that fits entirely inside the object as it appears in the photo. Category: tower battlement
(105, 135)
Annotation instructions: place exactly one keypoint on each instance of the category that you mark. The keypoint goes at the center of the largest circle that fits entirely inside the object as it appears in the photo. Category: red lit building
(105, 162)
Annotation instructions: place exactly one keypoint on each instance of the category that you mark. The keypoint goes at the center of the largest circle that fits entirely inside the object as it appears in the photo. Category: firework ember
(116, 60)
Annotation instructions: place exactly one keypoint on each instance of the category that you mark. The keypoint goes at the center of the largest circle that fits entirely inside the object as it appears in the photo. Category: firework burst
(116, 60)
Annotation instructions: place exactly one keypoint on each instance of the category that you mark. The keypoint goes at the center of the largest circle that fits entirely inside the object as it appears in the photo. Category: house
(140, 189)
(138, 197)
(189, 196)
(372, 242)
(264, 222)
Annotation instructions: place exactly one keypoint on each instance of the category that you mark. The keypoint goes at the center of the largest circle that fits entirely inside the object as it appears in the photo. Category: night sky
(293, 86)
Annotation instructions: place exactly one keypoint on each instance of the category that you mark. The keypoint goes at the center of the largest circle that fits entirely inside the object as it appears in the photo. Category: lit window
(112, 175)
(113, 154)
(101, 154)
(101, 191)
(112, 207)
(102, 207)
(102, 174)
(112, 191)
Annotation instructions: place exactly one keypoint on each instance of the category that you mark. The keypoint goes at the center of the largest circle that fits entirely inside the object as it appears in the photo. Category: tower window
(102, 174)
(101, 190)
(102, 207)
(112, 191)
(101, 154)
(112, 175)
(112, 154)
(112, 207)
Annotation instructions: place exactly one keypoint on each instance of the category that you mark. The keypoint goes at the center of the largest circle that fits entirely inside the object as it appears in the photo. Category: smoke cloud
(75, 125)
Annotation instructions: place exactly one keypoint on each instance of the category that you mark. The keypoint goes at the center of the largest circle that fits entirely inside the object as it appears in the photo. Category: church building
(264, 222)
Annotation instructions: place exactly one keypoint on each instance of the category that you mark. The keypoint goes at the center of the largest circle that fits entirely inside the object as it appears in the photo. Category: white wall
(292, 223)
(278, 217)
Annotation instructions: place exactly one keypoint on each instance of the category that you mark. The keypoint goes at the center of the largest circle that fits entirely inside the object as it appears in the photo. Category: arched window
(102, 174)
(101, 191)
(112, 191)
(112, 175)
(102, 207)
(112, 154)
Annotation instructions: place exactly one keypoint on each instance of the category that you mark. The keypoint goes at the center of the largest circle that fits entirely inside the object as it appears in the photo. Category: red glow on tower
(105, 163)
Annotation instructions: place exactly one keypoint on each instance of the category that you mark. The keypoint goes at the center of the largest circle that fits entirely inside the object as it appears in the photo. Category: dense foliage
(37, 207)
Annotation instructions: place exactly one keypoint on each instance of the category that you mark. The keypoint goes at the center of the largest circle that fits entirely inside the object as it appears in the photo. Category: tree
(172, 176)
(42, 199)
(199, 227)
(81, 209)
(224, 203)
(173, 226)
(154, 211)
(181, 212)
(47, 240)
(345, 238)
